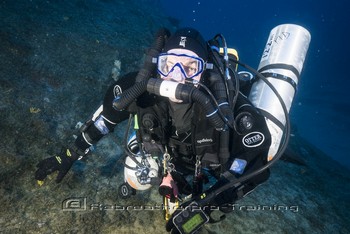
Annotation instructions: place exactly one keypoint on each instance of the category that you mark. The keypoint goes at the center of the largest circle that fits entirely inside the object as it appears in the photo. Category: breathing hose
(125, 98)
(187, 94)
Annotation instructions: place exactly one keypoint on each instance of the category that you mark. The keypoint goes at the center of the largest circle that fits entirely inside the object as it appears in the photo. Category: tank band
(281, 66)
(281, 77)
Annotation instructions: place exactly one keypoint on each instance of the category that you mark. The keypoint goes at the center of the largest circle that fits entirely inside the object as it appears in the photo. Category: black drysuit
(185, 129)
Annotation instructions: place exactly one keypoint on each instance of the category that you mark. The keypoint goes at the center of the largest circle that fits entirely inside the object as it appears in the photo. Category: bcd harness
(155, 131)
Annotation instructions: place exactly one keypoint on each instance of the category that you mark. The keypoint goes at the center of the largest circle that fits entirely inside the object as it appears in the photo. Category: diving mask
(178, 66)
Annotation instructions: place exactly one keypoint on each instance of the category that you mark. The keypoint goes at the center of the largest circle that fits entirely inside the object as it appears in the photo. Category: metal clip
(198, 165)
(168, 166)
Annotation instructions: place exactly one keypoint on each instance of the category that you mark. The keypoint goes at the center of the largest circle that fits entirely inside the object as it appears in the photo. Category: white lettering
(253, 139)
(204, 140)
(182, 42)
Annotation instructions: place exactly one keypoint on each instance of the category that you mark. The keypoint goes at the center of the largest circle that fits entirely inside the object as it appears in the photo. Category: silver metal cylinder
(281, 63)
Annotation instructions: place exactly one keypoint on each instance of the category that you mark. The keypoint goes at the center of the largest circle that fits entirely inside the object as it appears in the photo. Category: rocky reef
(56, 60)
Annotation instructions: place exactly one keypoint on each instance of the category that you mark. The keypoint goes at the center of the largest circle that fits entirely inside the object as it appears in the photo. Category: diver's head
(184, 57)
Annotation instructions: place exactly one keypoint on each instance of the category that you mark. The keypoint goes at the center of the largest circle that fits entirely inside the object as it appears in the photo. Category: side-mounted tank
(281, 63)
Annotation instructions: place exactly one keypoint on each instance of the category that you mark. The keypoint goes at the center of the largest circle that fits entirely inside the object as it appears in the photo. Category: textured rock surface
(56, 60)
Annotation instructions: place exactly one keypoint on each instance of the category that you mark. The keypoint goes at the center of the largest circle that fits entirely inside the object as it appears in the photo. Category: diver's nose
(177, 75)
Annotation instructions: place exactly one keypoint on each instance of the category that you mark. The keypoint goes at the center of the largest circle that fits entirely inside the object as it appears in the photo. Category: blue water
(321, 107)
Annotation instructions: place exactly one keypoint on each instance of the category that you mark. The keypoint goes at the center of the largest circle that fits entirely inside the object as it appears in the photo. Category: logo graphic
(182, 42)
(117, 90)
(253, 139)
(74, 204)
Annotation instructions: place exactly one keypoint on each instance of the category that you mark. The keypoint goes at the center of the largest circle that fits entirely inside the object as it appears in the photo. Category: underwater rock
(57, 57)
(116, 70)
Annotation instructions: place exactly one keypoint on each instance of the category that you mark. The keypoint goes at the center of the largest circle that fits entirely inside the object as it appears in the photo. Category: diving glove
(61, 163)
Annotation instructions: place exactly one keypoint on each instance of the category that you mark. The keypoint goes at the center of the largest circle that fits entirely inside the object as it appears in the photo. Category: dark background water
(322, 105)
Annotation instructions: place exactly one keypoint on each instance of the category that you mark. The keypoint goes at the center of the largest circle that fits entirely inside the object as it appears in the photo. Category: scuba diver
(196, 133)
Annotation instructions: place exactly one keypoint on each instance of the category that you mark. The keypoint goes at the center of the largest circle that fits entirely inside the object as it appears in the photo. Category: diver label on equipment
(238, 165)
(253, 139)
(267, 49)
(274, 39)
(205, 140)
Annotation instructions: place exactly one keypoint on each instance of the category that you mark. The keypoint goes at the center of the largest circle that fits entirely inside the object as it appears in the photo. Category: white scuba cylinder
(281, 63)
(140, 178)
(138, 171)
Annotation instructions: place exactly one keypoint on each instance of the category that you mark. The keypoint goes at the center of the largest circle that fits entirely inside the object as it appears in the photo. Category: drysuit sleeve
(250, 143)
(124, 83)
(106, 117)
